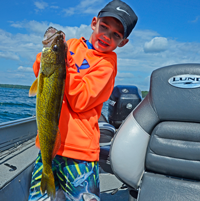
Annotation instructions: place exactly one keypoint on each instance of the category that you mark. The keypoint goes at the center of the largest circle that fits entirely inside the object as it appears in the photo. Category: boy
(91, 71)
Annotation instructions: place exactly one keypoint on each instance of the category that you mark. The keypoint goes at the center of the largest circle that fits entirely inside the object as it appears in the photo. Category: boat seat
(107, 132)
(104, 160)
(157, 149)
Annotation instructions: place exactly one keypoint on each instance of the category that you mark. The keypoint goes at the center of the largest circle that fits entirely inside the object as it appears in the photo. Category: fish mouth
(49, 36)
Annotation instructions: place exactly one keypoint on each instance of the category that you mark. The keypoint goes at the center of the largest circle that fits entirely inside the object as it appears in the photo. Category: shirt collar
(89, 45)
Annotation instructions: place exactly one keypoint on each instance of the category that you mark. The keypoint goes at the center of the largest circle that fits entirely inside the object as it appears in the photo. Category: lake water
(16, 104)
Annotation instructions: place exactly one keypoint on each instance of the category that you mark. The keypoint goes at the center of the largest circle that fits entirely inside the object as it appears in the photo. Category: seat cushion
(157, 187)
(174, 149)
(107, 132)
(104, 160)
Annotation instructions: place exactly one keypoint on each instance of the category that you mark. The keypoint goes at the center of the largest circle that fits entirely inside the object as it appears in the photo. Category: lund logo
(185, 81)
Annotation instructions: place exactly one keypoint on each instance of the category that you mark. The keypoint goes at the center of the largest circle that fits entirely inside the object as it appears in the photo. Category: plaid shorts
(78, 180)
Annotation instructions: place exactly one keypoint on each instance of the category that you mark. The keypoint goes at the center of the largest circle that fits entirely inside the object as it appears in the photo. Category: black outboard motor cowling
(122, 101)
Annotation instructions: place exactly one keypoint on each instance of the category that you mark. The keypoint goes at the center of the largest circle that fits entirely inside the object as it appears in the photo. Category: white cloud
(69, 11)
(85, 7)
(25, 69)
(19, 75)
(38, 29)
(41, 5)
(157, 44)
(144, 34)
(133, 59)
(196, 20)
(19, 46)
(54, 7)
(125, 75)
(16, 25)
(134, 64)
(24, 47)
(6, 55)
(32, 26)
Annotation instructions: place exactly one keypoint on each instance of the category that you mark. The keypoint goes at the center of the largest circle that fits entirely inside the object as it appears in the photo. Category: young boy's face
(107, 34)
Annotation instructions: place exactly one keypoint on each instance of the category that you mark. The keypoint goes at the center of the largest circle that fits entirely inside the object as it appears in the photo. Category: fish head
(54, 50)
(48, 35)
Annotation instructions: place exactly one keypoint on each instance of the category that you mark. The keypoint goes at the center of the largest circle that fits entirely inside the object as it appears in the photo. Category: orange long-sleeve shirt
(89, 82)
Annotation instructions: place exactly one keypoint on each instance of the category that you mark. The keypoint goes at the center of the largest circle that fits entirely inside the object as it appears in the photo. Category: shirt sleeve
(36, 65)
(87, 92)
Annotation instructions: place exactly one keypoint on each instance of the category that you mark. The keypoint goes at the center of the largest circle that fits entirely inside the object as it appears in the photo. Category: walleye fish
(49, 87)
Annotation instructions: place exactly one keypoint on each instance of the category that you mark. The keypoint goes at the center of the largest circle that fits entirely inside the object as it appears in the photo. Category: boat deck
(108, 183)
(17, 157)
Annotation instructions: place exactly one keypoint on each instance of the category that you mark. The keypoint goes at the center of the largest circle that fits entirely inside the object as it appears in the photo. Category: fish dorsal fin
(33, 89)
(57, 144)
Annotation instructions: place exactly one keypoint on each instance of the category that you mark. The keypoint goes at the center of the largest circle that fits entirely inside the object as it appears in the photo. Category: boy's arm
(85, 93)
(36, 65)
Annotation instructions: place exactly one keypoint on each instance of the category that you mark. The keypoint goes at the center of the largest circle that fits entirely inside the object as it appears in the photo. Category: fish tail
(48, 184)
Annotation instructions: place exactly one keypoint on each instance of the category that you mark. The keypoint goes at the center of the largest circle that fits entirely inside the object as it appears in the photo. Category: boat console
(123, 100)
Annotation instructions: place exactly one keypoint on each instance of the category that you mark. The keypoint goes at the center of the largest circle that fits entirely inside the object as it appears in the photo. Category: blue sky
(167, 32)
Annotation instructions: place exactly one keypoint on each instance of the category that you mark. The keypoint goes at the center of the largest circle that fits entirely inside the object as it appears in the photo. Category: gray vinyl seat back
(162, 135)
(174, 147)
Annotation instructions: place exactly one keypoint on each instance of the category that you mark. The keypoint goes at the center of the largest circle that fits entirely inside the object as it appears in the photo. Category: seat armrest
(128, 151)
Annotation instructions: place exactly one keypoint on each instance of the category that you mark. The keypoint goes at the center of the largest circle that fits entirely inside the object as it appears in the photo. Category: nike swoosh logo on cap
(119, 9)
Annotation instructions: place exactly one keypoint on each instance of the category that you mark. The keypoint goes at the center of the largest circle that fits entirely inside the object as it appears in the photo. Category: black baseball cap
(124, 13)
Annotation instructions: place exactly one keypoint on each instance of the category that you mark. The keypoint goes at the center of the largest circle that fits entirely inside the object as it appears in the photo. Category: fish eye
(55, 48)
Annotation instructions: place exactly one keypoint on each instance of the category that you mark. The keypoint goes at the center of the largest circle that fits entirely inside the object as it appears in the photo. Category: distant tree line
(144, 93)
(14, 86)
